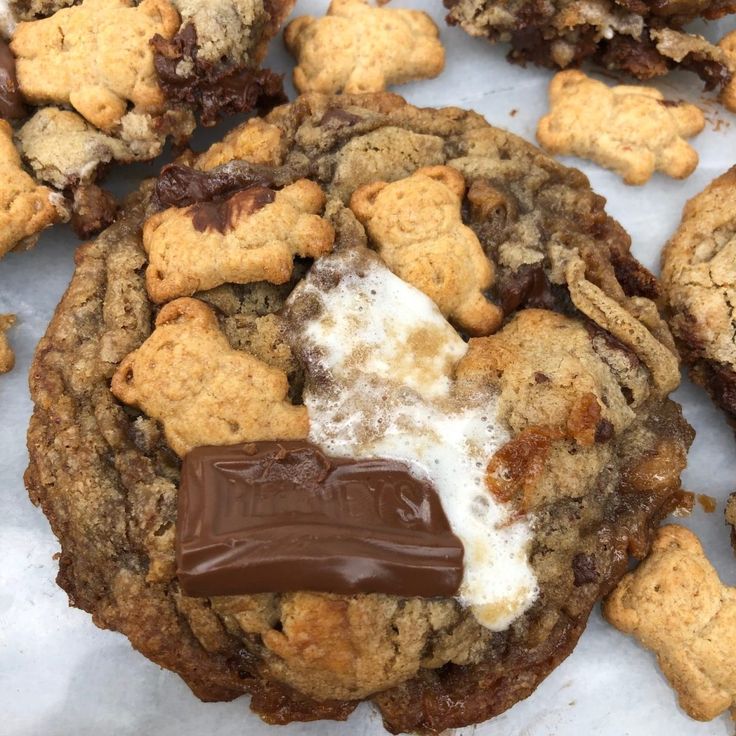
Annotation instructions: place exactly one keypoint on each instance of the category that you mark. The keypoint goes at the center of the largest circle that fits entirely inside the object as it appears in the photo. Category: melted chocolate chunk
(93, 209)
(713, 73)
(274, 517)
(180, 186)
(527, 287)
(217, 90)
(221, 216)
(11, 100)
(639, 57)
(603, 431)
(584, 569)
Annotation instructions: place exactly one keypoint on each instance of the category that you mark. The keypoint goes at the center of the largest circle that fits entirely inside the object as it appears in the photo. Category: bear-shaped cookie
(96, 57)
(26, 208)
(631, 130)
(417, 227)
(675, 605)
(251, 236)
(203, 391)
(358, 48)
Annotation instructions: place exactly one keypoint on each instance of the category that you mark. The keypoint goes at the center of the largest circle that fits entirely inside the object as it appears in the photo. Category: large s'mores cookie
(366, 402)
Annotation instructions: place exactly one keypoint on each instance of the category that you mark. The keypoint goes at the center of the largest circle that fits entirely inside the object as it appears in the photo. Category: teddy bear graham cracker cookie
(633, 131)
(187, 376)
(251, 236)
(26, 208)
(357, 48)
(675, 605)
(417, 226)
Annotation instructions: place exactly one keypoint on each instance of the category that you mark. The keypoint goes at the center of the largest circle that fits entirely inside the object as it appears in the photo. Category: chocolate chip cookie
(110, 81)
(642, 39)
(699, 281)
(392, 428)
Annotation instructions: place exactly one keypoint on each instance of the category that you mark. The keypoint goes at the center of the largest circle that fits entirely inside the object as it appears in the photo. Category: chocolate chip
(179, 186)
(93, 209)
(283, 516)
(603, 431)
(584, 569)
(526, 287)
(337, 117)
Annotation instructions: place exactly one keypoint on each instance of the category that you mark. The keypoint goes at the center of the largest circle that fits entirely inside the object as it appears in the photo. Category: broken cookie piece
(25, 207)
(253, 235)
(204, 392)
(360, 48)
(7, 356)
(731, 518)
(417, 227)
(675, 605)
(699, 282)
(643, 39)
(728, 46)
(633, 131)
(64, 150)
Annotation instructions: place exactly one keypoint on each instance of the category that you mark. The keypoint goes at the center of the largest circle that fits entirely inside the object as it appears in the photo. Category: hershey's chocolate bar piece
(283, 516)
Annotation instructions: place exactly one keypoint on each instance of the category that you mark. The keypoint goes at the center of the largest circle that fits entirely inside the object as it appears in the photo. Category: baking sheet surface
(60, 675)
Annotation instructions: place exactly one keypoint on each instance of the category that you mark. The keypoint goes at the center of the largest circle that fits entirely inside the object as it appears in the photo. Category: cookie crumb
(7, 356)
(731, 518)
(707, 503)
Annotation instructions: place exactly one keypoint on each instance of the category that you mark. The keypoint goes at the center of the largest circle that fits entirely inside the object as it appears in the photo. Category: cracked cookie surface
(699, 280)
(579, 363)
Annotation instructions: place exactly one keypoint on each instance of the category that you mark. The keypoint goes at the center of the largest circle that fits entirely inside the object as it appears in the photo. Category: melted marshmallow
(385, 356)
(7, 20)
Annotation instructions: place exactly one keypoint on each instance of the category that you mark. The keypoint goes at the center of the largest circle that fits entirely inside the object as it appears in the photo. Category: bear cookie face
(361, 410)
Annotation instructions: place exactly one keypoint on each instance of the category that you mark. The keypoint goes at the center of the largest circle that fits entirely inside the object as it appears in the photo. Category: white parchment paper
(60, 675)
